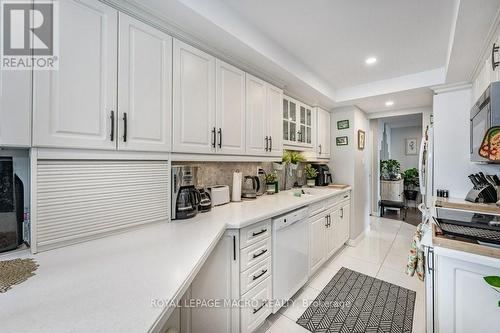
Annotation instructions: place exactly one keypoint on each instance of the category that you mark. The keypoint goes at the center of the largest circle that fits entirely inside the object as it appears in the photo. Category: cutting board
(338, 186)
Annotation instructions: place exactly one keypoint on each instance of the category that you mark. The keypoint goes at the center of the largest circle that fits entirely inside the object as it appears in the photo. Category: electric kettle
(251, 185)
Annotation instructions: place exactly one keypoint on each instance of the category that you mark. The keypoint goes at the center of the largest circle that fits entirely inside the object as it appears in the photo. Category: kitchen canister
(237, 181)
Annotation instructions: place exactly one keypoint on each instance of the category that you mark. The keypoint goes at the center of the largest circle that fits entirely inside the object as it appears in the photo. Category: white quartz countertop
(108, 284)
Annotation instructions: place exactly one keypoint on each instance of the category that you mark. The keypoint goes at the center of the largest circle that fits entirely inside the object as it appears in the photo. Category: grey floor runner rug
(355, 302)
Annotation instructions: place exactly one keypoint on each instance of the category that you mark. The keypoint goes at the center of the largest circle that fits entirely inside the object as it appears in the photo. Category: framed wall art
(411, 146)
(341, 141)
(361, 139)
(343, 124)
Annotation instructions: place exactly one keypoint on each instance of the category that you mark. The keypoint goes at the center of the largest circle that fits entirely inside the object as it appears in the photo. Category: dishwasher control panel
(290, 218)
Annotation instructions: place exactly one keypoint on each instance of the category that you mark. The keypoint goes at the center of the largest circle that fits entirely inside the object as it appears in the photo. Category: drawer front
(316, 208)
(254, 254)
(255, 233)
(331, 202)
(256, 306)
(255, 275)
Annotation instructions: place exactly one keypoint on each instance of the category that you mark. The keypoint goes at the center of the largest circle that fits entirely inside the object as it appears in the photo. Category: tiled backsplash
(221, 173)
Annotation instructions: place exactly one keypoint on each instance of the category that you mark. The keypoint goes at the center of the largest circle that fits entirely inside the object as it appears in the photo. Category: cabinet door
(332, 233)
(145, 87)
(323, 133)
(256, 116)
(72, 106)
(317, 242)
(194, 100)
(218, 279)
(15, 108)
(344, 224)
(275, 120)
(230, 109)
(464, 302)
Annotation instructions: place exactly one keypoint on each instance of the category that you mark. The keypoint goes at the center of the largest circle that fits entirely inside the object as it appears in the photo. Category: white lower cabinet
(218, 279)
(328, 230)
(463, 302)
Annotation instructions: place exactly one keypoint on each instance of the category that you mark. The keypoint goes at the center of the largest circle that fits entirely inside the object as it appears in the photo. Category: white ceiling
(403, 121)
(315, 49)
(334, 37)
(415, 98)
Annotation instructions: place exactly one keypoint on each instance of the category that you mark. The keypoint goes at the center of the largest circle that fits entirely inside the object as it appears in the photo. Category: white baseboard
(357, 240)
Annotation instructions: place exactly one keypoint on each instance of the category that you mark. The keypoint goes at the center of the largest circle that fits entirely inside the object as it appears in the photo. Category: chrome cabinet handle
(342, 212)
(258, 233)
(260, 307)
(124, 127)
(320, 149)
(255, 277)
(326, 222)
(260, 253)
(270, 143)
(112, 117)
(234, 248)
(494, 49)
(267, 143)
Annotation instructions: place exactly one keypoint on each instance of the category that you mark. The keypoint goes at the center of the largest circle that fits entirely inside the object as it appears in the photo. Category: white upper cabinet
(275, 123)
(15, 108)
(297, 123)
(264, 122)
(73, 106)
(230, 109)
(256, 116)
(194, 129)
(323, 129)
(144, 87)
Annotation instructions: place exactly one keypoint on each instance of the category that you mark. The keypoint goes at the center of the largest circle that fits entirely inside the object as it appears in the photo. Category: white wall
(353, 166)
(452, 162)
(398, 145)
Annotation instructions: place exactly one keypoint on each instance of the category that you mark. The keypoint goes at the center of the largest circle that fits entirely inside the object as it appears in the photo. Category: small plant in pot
(390, 170)
(410, 177)
(271, 179)
(311, 174)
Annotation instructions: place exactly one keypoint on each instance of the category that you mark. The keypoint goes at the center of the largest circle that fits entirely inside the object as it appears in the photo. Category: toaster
(219, 194)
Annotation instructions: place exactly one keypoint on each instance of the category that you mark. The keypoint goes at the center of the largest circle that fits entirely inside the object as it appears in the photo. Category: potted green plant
(494, 282)
(390, 170)
(411, 182)
(311, 174)
(271, 179)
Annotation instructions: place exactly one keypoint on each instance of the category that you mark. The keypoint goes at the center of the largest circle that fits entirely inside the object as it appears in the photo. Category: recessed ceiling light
(371, 60)
(389, 103)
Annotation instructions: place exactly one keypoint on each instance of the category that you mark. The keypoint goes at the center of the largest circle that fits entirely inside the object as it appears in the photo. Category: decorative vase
(311, 182)
(270, 188)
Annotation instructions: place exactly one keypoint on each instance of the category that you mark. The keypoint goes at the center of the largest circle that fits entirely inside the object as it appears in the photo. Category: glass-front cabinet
(297, 123)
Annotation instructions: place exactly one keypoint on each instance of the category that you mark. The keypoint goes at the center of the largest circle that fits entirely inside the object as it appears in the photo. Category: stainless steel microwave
(484, 115)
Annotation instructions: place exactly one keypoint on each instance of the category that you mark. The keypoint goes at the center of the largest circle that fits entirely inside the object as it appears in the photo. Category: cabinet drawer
(256, 306)
(255, 233)
(255, 253)
(316, 208)
(255, 274)
(331, 202)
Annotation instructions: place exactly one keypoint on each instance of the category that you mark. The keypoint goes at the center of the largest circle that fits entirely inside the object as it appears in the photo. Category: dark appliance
(185, 196)
(479, 227)
(205, 204)
(484, 115)
(324, 176)
(11, 206)
(484, 188)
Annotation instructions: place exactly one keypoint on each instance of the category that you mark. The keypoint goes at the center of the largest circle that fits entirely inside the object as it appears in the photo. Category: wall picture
(411, 146)
(343, 124)
(341, 141)
(361, 139)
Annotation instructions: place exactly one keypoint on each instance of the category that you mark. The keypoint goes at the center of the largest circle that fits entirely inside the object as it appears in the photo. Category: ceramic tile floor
(381, 254)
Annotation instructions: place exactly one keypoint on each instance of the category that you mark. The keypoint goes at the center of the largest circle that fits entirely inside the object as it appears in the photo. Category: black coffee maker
(185, 196)
(324, 176)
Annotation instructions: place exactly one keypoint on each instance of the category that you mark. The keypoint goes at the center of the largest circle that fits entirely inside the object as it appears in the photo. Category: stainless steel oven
(484, 115)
